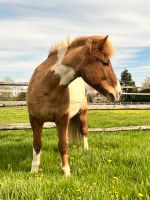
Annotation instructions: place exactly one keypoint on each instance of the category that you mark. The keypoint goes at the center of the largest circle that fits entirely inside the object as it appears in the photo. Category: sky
(29, 28)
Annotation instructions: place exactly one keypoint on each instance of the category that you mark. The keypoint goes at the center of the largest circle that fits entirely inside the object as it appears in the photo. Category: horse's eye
(104, 59)
(103, 52)
(106, 62)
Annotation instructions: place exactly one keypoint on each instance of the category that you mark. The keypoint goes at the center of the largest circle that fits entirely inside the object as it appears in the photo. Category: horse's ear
(102, 42)
(105, 39)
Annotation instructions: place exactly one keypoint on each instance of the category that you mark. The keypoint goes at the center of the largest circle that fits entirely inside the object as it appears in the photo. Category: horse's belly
(77, 96)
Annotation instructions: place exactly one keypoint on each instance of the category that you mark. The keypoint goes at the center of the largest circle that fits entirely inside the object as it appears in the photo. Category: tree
(126, 78)
(128, 86)
(145, 89)
(146, 82)
(145, 98)
(21, 96)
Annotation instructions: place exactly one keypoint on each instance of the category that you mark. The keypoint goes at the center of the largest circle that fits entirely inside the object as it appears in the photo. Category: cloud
(29, 28)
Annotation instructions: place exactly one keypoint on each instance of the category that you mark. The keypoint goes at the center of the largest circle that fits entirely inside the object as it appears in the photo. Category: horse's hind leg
(37, 131)
(62, 127)
(84, 127)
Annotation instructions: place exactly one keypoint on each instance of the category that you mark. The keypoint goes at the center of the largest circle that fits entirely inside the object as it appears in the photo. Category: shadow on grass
(18, 157)
(15, 157)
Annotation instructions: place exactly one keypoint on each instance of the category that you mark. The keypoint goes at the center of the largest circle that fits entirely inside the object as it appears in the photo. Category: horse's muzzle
(114, 97)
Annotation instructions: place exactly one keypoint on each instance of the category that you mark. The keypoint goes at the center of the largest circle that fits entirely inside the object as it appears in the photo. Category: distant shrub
(21, 96)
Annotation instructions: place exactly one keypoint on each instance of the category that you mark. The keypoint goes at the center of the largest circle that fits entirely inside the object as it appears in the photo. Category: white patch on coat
(66, 170)
(35, 162)
(77, 96)
(66, 73)
(85, 143)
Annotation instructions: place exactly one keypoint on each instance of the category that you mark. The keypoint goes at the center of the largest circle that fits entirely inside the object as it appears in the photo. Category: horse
(56, 91)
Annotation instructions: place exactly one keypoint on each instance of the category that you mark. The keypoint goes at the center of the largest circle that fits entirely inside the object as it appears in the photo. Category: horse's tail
(74, 131)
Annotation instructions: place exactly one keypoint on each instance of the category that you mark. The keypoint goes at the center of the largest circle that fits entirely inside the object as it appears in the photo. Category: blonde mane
(60, 45)
(108, 46)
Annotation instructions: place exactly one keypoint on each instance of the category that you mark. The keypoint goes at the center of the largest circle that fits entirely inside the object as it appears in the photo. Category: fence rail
(101, 106)
(26, 84)
(12, 103)
(90, 106)
(26, 126)
(13, 83)
(14, 91)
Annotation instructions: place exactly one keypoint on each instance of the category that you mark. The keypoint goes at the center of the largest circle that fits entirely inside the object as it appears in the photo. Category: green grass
(112, 118)
(101, 118)
(115, 167)
(14, 115)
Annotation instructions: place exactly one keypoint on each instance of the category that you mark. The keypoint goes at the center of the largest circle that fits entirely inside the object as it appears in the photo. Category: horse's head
(97, 70)
(91, 57)
(88, 57)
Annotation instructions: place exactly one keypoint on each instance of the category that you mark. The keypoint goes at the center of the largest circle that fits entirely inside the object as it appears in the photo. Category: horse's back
(77, 96)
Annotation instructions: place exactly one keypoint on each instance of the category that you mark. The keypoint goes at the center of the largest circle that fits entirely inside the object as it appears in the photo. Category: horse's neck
(66, 73)
(54, 74)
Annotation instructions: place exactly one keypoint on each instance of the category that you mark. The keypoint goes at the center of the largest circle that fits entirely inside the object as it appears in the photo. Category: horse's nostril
(111, 97)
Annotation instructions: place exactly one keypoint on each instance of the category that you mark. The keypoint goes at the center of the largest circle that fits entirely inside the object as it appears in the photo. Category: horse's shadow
(15, 157)
(18, 156)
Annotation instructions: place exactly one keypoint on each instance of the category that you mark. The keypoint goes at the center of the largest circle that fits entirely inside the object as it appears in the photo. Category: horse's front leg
(84, 127)
(62, 126)
(37, 131)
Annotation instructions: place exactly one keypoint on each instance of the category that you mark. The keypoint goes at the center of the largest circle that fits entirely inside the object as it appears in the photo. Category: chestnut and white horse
(56, 91)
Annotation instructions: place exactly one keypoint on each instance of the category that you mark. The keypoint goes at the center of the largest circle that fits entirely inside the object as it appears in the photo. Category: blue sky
(29, 28)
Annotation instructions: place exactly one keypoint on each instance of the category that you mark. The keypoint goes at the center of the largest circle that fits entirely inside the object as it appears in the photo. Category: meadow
(115, 167)
(96, 119)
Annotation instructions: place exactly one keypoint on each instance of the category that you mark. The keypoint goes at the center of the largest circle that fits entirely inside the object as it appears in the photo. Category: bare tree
(146, 82)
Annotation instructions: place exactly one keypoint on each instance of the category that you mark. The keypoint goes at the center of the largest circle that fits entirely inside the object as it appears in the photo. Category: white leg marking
(35, 162)
(66, 73)
(85, 143)
(66, 170)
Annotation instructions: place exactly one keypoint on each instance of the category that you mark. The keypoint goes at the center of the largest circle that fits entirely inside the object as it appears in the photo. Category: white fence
(100, 106)
(126, 105)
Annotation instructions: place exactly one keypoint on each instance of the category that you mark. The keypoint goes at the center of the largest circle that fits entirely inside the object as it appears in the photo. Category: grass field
(96, 119)
(115, 167)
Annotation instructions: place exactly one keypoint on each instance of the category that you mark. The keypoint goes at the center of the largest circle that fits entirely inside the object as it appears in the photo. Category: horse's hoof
(86, 148)
(67, 174)
(35, 169)
(66, 171)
